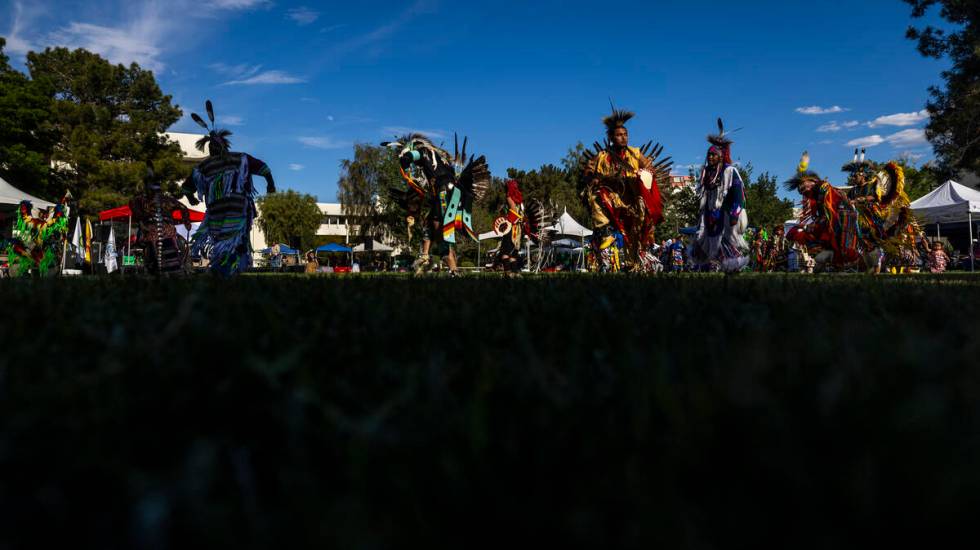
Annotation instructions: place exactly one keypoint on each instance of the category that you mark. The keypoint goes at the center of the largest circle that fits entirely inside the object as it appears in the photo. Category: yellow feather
(804, 163)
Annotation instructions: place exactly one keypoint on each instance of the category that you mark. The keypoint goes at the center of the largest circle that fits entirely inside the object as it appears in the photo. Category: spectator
(937, 259)
(312, 265)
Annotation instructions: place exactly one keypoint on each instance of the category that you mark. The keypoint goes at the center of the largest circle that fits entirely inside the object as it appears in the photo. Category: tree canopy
(27, 136)
(954, 127)
(289, 217)
(107, 122)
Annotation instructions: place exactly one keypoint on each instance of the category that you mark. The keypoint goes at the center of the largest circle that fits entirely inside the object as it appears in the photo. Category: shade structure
(951, 202)
(125, 212)
(11, 195)
(375, 247)
(283, 249)
(567, 226)
(333, 247)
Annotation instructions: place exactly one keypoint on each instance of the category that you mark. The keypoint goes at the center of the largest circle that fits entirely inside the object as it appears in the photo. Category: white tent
(377, 247)
(949, 203)
(567, 226)
(11, 195)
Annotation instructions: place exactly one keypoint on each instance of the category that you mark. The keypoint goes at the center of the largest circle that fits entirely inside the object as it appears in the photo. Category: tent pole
(973, 266)
(479, 246)
(129, 236)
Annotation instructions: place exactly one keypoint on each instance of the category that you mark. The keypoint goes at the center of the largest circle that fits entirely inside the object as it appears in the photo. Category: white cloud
(831, 126)
(911, 156)
(323, 142)
(870, 141)
(390, 131)
(303, 15)
(142, 32)
(817, 110)
(330, 118)
(851, 124)
(296, 167)
(235, 71)
(266, 77)
(905, 138)
(15, 42)
(138, 41)
(231, 120)
(825, 142)
(239, 4)
(900, 119)
(908, 138)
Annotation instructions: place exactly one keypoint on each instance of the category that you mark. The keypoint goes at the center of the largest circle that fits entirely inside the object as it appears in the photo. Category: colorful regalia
(224, 182)
(37, 240)
(863, 222)
(723, 218)
(620, 188)
(164, 251)
(522, 220)
(441, 191)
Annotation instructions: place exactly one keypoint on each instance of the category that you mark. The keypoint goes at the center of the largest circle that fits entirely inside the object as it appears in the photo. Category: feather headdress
(617, 119)
(803, 174)
(721, 142)
(216, 138)
(860, 163)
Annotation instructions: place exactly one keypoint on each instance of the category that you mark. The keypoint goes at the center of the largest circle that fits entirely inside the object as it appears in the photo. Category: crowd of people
(865, 226)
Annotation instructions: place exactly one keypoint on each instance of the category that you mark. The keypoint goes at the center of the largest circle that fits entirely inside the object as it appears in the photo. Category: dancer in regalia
(224, 182)
(37, 240)
(620, 188)
(522, 220)
(723, 218)
(165, 251)
(442, 190)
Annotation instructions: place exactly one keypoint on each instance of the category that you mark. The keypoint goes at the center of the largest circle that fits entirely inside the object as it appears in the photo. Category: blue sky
(300, 82)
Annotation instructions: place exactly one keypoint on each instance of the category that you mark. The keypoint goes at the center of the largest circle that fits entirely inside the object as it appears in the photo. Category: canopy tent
(566, 243)
(567, 226)
(333, 247)
(125, 212)
(11, 195)
(375, 247)
(283, 249)
(949, 203)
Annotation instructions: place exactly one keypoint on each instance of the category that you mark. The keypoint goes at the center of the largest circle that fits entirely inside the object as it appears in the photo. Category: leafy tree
(362, 190)
(26, 136)
(109, 122)
(764, 206)
(681, 209)
(954, 127)
(919, 180)
(289, 217)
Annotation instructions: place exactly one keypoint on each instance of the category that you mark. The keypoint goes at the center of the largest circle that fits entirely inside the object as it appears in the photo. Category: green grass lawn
(378, 412)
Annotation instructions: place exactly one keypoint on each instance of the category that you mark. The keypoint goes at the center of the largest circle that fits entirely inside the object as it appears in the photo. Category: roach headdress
(721, 144)
(216, 139)
(803, 174)
(617, 119)
(860, 164)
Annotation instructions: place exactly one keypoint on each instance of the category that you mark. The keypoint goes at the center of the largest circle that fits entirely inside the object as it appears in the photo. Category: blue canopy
(333, 247)
(690, 230)
(283, 249)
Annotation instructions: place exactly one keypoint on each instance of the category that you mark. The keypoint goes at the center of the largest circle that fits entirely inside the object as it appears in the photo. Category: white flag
(76, 241)
(109, 258)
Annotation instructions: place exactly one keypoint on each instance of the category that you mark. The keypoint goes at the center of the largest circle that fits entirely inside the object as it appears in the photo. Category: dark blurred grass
(383, 412)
